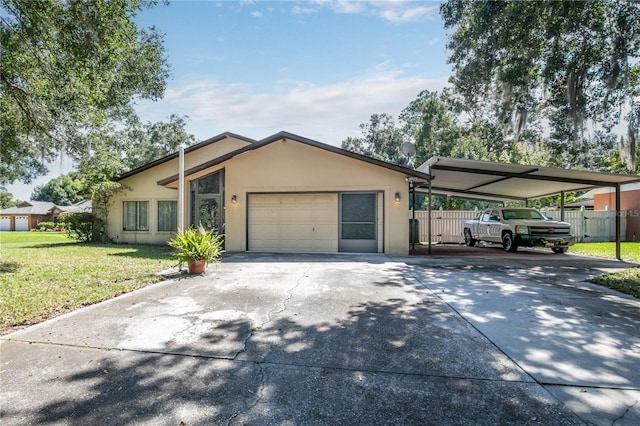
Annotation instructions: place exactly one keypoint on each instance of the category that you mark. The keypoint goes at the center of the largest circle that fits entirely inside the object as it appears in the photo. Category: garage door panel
(22, 223)
(293, 222)
(5, 223)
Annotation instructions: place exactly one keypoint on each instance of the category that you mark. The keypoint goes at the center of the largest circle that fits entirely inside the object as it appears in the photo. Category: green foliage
(6, 199)
(101, 200)
(144, 143)
(46, 226)
(69, 70)
(196, 244)
(381, 139)
(63, 190)
(573, 62)
(80, 225)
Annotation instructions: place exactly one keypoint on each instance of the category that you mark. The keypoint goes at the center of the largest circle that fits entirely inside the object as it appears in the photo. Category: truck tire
(559, 250)
(468, 239)
(508, 244)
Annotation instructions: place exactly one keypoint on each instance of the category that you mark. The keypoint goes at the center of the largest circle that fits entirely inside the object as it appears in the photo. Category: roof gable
(292, 137)
(187, 150)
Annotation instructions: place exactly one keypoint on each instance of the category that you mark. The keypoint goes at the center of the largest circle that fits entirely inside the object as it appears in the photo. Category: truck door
(484, 225)
(494, 228)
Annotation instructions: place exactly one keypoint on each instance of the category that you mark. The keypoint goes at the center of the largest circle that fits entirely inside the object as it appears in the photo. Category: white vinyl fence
(586, 225)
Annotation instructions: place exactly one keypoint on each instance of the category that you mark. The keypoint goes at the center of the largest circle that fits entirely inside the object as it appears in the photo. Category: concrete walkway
(323, 339)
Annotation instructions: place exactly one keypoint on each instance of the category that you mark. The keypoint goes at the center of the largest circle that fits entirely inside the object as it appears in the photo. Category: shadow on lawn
(8, 267)
(146, 251)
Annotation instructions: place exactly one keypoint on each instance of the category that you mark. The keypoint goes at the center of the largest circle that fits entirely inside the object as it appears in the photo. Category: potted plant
(196, 247)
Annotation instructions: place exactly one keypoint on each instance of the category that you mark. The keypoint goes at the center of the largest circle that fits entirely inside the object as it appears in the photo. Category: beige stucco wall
(282, 166)
(144, 187)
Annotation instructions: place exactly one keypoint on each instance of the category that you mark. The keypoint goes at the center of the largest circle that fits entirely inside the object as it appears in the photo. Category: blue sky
(315, 68)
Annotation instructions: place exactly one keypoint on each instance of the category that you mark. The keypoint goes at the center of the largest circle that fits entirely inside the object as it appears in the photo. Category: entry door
(358, 222)
(208, 213)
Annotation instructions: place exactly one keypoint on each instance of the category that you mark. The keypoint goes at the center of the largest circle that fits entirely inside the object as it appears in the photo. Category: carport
(503, 182)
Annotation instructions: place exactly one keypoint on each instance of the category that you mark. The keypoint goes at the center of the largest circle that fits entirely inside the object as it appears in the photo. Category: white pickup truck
(515, 227)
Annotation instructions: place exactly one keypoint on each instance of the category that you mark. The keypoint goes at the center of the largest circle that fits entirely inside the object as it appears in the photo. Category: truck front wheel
(508, 244)
(468, 239)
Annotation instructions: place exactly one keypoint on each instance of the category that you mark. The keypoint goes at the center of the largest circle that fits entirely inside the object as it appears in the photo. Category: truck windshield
(522, 214)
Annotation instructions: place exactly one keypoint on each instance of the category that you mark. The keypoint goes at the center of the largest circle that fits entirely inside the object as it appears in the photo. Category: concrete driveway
(323, 339)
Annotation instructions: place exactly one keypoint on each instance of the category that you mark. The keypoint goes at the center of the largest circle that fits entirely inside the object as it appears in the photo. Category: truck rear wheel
(559, 250)
(468, 239)
(508, 244)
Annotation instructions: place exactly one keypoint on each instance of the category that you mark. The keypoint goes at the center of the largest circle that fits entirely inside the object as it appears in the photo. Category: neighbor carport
(502, 182)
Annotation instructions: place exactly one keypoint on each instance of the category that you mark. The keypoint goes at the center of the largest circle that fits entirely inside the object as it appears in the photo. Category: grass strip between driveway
(627, 281)
(45, 274)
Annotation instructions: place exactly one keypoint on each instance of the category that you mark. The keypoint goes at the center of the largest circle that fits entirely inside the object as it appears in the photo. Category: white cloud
(395, 11)
(326, 113)
(412, 14)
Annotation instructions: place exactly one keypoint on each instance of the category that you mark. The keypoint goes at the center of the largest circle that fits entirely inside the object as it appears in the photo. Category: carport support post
(413, 214)
(429, 219)
(562, 206)
(618, 255)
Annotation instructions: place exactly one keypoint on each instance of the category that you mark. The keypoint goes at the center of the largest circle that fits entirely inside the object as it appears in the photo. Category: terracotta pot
(197, 266)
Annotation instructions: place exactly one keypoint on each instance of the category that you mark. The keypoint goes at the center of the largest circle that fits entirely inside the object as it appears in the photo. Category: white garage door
(293, 222)
(5, 223)
(22, 223)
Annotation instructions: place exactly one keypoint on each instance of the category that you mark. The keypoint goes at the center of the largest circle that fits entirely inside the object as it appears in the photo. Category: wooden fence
(586, 225)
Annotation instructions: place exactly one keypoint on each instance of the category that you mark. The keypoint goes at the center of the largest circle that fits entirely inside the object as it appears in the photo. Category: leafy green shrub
(197, 244)
(46, 226)
(80, 226)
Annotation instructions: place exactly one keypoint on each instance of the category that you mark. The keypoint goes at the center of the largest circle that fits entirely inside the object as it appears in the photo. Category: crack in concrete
(256, 401)
(271, 313)
(625, 412)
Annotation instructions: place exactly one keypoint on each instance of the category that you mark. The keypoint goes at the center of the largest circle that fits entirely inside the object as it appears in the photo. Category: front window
(136, 216)
(167, 215)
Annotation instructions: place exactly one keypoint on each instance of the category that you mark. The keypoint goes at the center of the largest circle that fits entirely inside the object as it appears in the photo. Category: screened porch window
(136, 216)
(167, 215)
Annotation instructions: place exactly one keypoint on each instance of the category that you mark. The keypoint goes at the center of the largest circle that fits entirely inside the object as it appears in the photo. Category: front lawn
(627, 281)
(44, 274)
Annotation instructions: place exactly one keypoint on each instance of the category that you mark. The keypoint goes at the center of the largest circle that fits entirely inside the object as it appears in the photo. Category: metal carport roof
(486, 180)
(503, 181)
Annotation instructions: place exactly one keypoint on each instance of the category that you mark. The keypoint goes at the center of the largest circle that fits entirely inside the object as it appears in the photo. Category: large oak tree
(68, 70)
(575, 63)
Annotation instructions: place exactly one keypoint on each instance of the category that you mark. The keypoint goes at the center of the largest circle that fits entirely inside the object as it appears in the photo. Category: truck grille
(549, 230)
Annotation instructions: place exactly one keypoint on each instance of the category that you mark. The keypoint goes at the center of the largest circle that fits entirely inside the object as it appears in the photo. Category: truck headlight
(522, 229)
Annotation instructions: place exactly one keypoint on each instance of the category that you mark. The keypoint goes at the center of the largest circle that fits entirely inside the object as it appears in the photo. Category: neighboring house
(28, 214)
(283, 193)
(605, 199)
(83, 206)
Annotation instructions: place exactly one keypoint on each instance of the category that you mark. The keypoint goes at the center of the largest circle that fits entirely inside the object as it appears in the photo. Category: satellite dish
(408, 149)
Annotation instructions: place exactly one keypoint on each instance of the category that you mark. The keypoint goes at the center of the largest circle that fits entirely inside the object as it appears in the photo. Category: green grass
(627, 281)
(630, 252)
(44, 274)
